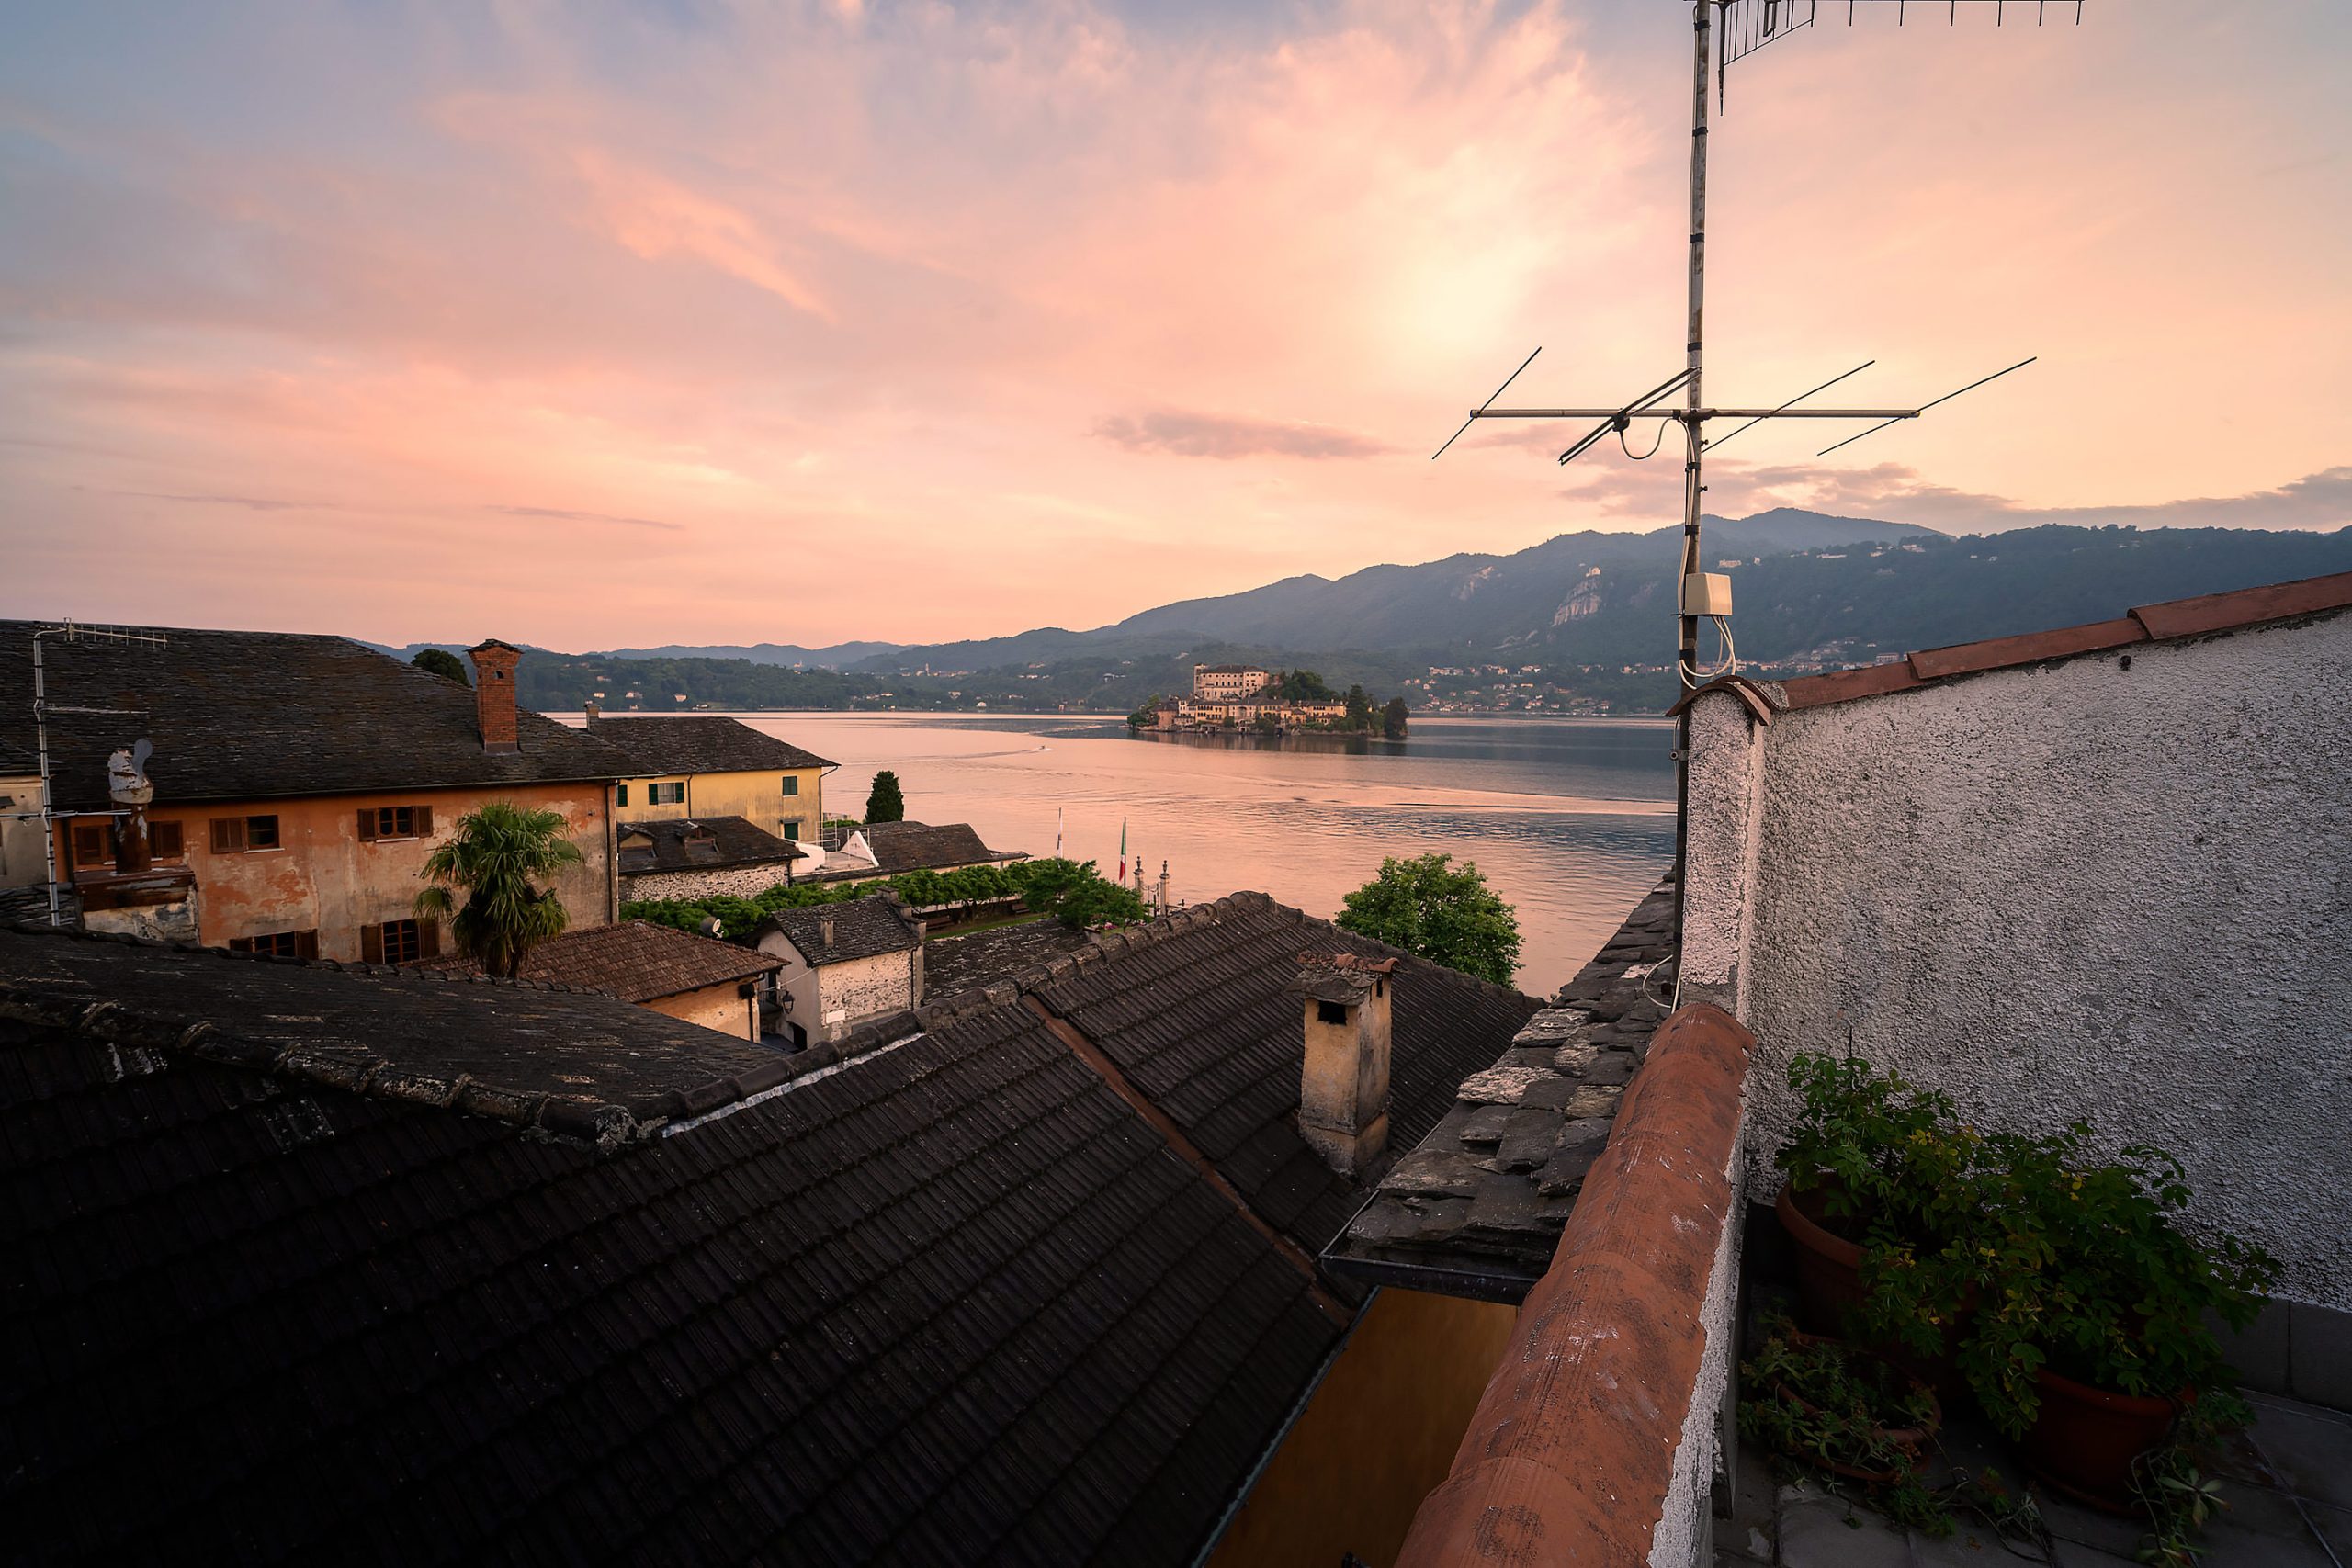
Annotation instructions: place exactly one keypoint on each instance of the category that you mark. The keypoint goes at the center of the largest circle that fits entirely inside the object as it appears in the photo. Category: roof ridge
(2170, 620)
(340, 965)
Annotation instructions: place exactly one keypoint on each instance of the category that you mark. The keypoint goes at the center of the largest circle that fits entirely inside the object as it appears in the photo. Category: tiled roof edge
(580, 1118)
(2204, 615)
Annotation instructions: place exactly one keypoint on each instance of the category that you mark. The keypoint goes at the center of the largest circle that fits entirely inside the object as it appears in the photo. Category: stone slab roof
(634, 959)
(920, 846)
(954, 1303)
(1198, 1011)
(700, 743)
(2202, 616)
(699, 843)
(952, 965)
(1477, 1206)
(255, 714)
(858, 928)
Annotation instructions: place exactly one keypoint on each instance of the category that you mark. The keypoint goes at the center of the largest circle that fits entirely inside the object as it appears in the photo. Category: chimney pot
(825, 930)
(1343, 1074)
(595, 710)
(494, 664)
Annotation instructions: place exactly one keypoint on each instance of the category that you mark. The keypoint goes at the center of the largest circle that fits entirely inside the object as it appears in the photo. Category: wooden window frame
(79, 834)
(387, 941)
(236, 835)
(676, 793)
(379, 823)
(620, 795)
(791, 786)
(278, 944)
(171, 834)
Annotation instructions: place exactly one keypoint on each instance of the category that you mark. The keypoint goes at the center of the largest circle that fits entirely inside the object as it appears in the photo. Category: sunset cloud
(1076, 308)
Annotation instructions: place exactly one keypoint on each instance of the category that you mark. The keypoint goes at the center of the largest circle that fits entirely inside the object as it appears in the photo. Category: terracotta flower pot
(1829, 1267)
(2084, 1441)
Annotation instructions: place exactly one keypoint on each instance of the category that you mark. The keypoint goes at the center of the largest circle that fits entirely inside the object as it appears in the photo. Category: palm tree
(492, 857)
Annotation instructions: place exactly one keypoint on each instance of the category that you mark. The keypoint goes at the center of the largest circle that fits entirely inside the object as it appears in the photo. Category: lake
(1571, 820)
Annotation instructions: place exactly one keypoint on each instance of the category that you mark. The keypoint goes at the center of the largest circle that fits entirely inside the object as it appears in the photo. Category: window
(91, 850)
(621, 796)
(1330, 1012)
(399, 941)
(395, 822)
(278, 944)
(666, 794)
(166, 841)
(792, 828)
(792, 783)
(232, 835)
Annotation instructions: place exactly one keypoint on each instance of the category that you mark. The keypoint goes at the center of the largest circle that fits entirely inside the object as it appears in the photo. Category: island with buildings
(1246, 699)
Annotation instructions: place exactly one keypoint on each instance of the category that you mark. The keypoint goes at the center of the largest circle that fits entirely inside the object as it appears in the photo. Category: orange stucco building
(303, 781)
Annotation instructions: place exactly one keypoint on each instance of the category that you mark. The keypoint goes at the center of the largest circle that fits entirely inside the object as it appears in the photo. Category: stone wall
(740, 882)
(2116, 887)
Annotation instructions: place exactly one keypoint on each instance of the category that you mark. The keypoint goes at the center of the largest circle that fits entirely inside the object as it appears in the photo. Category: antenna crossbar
(1691, 415)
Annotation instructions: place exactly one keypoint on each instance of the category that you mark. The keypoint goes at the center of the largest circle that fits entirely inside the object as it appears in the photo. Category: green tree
(1447, 916)
(884, 803)
(442, 662)
(492, 858)
(1147, 716)
(1392, 719)
(1359, 708)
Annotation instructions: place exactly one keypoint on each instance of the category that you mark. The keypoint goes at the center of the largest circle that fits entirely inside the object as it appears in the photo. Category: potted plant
(1877, 1169)
(2093, 1337)
(1836, 1408)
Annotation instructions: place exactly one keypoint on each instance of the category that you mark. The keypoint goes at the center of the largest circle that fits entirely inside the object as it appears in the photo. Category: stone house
(696, 857)
(695, 979)
(890, 849)
(844, 965)
(298, 782)
(704, 765)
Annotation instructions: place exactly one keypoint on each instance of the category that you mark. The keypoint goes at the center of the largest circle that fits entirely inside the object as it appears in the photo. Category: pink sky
(598, 326)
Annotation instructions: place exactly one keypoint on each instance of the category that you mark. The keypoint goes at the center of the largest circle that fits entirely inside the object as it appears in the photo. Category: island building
(695, 979)
(1026, 1275)
(292, 789)
(702, 766)
(1229, 682)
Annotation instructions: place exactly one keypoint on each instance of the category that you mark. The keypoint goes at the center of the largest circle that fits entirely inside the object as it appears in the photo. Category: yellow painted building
(697, 765)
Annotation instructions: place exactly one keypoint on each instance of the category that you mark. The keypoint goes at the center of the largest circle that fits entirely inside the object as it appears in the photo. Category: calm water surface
(1571, 820)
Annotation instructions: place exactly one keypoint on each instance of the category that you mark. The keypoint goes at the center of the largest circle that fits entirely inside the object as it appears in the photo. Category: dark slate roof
(700, 743)
(919, 846)
(957, 1303)
(955, 964)
(635, 961)
(1199, 1014)
(579, 1062)
(244, 715)
(1477, 1206)
(862, 928)
(700, 843)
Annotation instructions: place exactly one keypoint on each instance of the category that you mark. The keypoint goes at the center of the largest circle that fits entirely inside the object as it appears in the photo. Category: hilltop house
(1026, 1276)
(704, 766)
(695, 979)
(298, 785)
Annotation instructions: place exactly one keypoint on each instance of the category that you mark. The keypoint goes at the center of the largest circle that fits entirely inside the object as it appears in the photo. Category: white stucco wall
(858, 990)
(1685, 1534)
(2078, 890)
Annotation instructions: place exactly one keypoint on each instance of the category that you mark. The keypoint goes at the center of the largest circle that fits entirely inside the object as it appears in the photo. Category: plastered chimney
(595, 710)
(1343, 1074)
(494, 664)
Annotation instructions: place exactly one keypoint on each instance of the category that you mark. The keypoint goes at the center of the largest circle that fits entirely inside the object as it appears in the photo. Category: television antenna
(1725, 33)
(71, 632)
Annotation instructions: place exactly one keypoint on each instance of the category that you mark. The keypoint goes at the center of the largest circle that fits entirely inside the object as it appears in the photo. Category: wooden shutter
(366, 824)
(228, 835)
(306, 944)
(167, 841)
(428, 939)
(425, 822)
(371, 944)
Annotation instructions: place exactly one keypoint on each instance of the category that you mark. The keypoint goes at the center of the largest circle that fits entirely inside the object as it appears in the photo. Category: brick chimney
(1343, 1077)
(494, 664)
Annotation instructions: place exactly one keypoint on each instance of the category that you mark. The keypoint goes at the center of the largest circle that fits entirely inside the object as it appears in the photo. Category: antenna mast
(1744, 27)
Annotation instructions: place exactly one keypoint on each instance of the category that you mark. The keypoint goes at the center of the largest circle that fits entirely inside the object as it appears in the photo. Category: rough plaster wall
(24, 853)
(712, 1007)
(1726, 771)
(742, 881)
(1685, 1536)
(2088, 891)
(865, 987)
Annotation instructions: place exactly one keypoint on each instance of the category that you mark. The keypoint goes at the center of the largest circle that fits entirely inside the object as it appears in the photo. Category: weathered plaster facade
(23, 860)
(830, 1001)
(759, 799)
(324, 877)
(2116, 886)
(714, 1007)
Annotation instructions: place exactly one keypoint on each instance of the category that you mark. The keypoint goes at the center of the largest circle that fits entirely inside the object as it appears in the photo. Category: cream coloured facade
(703, 766)
(1229, 682)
